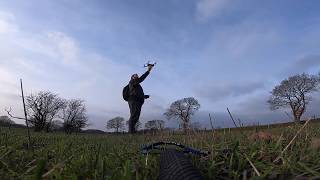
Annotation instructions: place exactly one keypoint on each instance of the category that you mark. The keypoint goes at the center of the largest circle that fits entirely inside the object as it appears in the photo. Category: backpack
(126, 93)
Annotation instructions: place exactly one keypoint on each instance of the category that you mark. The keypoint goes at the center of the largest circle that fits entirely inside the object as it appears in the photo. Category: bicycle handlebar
(185, 149)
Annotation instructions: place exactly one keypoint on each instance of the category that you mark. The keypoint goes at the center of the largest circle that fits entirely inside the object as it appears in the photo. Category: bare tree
(43, 107)
(154, 125)
(294, 92)
(74, 116)
(116, 123)
(182, 110)
(137, 126)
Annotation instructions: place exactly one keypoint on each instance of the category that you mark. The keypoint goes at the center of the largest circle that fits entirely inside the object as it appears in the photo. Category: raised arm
(143, 76)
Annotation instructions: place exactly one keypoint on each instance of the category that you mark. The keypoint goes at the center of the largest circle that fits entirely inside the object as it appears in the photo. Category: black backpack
(126, 93)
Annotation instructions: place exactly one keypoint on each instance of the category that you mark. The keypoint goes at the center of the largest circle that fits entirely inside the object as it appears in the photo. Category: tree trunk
(298, 113)
(185, 126)
(37, 127)
(296, 116)
(48, 127)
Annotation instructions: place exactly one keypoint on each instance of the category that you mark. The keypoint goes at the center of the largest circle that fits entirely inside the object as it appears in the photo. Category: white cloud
(206, 9)
(64, 45)
(5, 27)
(6, 23)
(6, 76)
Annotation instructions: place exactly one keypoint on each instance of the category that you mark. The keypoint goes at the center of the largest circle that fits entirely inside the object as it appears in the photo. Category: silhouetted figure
(136, 98)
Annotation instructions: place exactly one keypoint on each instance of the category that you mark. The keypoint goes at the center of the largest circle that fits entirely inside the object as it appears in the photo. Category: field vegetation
(240, 153)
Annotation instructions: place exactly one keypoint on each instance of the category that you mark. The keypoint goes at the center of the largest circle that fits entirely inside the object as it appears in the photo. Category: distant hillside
(97, 131)
(88, 131)
(93, 131)
(13, 125)
(276, 125)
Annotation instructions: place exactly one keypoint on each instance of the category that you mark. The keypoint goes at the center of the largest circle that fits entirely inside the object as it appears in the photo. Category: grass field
(117, 156)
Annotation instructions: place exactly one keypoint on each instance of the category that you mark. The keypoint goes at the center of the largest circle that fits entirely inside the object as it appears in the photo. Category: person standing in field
(136, 98)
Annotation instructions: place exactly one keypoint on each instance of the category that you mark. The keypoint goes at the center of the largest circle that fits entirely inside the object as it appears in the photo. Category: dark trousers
(135, 110)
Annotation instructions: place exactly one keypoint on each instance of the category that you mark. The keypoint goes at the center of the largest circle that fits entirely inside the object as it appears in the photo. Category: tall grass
(234, 154)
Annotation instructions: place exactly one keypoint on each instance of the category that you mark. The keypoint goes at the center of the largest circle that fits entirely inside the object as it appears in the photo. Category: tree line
(118, 124)
(46, 111)
(182, 110)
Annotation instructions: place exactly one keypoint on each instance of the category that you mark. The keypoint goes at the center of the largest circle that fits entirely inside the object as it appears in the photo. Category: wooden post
(211, 122)
(232, 118)
(25, 113)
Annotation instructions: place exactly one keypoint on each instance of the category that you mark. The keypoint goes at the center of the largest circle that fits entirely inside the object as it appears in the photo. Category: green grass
(85, 156)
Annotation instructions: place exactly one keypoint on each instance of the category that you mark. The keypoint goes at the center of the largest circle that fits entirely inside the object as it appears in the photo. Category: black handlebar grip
(174, 165)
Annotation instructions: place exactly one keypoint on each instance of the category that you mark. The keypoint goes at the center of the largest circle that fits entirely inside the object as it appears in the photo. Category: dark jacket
(135, 89)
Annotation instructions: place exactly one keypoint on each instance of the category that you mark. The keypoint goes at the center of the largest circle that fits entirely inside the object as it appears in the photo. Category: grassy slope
(117, 157)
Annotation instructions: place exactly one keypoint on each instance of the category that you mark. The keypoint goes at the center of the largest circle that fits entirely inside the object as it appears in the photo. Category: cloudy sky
(225, 53)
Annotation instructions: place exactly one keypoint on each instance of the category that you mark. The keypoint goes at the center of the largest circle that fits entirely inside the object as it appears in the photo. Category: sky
(223, 53)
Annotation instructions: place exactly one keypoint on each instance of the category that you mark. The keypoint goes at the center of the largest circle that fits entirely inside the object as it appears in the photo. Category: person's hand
(146, 96)
(150, 67)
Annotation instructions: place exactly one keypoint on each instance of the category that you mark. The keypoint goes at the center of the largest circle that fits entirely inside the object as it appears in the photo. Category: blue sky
(224, 53)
